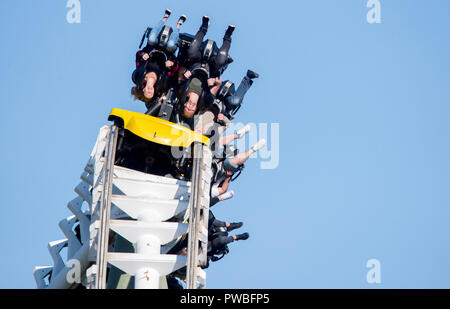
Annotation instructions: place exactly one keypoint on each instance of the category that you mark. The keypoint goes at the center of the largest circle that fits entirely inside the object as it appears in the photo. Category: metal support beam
(194, 216)
(105, 209)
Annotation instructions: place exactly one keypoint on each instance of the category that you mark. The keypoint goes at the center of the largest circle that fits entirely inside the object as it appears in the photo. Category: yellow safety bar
(157, 130)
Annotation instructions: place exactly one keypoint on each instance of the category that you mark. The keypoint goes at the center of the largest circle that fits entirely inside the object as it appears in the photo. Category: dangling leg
(226, 139)
(245, 85)
(226, 195)
(193, 52)
(153, 36)
(242, 157)
(242, 236)
(233, 226)
(173, 40)
(236, 99)
(222, 56)
(219, 242)
(218, 223)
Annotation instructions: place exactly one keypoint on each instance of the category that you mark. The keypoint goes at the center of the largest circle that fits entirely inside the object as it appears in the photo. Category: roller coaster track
(117, 208)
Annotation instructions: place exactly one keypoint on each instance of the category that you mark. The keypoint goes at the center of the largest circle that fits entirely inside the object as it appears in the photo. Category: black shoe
(252, 75)
(205, 22)
(230, 30)
(182, 19)
(243, 236)
(234, 226)
(167, 13)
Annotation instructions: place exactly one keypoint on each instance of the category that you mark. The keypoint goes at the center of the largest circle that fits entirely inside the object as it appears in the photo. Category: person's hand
(228, 173)
(217, 81)
(162, 98)
(211, 82)
(169, 63)
(220, 117)
(145, 56)
(182, 251)
(187, 74)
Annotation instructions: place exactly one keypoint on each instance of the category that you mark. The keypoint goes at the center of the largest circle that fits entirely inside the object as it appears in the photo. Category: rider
(156, 64)
(218, 237)
(172, 44)
(217, 59)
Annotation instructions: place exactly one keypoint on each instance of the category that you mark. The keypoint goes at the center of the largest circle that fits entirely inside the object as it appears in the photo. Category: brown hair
(138, 94)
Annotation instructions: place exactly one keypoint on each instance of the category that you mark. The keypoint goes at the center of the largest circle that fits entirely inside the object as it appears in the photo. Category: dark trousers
(194, 54)
(235, 100)
(219, 242)
(218, 223)
(221, 58)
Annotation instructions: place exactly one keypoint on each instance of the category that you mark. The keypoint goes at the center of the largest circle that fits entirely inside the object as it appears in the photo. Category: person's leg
(244, 86)
(226, 195)
(220, 242)
(223, 126)
(172, 46)
(173, 40)
(222, 56)
(242, 157)
(226, 139)
(218, 223)
(242, 236)
(233, 226)
(193, 51)
(153, 36)
(228, 166)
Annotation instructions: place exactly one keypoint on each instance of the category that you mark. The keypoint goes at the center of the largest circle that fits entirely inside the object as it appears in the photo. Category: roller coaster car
(153, 145)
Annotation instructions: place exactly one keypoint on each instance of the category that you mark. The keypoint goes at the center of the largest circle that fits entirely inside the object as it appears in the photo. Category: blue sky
(364, 120)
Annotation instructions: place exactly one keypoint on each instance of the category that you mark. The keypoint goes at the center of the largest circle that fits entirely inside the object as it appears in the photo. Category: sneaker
(167, 13)
(258, 145)
(251, 74)
(230, 30)
(243, 131)
(227, 195)
(243, 236)
(205, 21)
(182, 19)
(234, 226)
